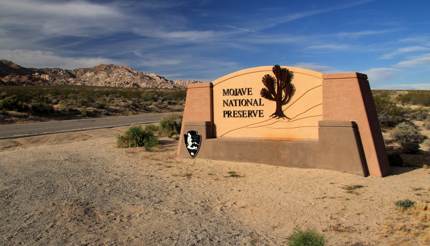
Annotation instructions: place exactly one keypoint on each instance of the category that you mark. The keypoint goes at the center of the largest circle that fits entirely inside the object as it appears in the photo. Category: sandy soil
(78, 188)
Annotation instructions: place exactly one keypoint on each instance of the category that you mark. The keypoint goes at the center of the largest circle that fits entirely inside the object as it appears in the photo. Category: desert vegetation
(306, 238)
(80, 188)
(404, 204)
(170, 126)
(405, 121)
(148, 136)
(37, 103)
(137, 136)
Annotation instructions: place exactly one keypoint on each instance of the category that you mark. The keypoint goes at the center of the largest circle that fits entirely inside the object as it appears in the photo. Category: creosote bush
(67, 101)
(306, 238)
(416, 98)
(405, 204)
(408, 136)
(389, 114)
(417, 114)
(152, 128)
(171, 125)
(136, 136)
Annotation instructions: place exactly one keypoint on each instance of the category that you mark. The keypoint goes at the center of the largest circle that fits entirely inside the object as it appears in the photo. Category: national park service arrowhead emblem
(192, 142)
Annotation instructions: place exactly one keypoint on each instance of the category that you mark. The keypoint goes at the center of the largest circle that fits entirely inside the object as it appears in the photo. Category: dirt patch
(78, 188)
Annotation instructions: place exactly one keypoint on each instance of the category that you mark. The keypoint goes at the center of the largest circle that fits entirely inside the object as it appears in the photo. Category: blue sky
(205, 39)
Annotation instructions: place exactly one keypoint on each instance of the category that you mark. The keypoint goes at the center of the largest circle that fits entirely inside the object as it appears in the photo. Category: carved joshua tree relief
(278, 89)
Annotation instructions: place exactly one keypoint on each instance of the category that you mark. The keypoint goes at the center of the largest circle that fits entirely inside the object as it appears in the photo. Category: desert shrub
(11, 103)
(408, 136)
(41, 108)
(136, 136)
(419, 114)
(389, 114)
(233, 174)
(416, 98)
(152, 128)
(306, 238)
(171, 125)
(404, 204)
(89, 112)
(19, 98)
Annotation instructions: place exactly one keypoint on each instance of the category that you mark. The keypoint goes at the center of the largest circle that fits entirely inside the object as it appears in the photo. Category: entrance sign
(285, 116)
(266, 103)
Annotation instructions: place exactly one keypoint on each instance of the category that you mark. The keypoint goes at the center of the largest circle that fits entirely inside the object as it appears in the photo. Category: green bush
(389, 114)
(11, 103)
(405, 204)
(419, 114)
(136, 136)
(306, 238)
(171, 125)
(416, 98)
(152, 128)
(41, 108)
(408, 136)
(105, 100)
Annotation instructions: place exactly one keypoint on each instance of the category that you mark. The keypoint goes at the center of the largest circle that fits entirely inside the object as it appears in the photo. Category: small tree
(408, 136)
(278, 89)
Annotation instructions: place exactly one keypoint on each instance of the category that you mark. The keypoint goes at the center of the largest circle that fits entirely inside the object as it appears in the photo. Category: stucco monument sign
(285, 116)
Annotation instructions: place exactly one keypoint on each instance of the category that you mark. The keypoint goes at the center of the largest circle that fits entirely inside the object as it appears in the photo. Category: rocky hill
(100, 75)
(184, 83)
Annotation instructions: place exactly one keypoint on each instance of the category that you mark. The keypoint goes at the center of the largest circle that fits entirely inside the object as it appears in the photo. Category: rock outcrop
(184, 83)
(101, 75)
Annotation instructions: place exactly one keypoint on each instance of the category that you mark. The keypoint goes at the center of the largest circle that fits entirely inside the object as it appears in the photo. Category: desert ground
(80, 189)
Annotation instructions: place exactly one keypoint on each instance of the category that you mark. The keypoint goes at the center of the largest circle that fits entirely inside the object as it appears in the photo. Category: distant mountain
(101, 75)
(184, 83)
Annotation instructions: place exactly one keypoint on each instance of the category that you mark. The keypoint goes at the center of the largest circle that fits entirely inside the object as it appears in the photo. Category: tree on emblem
(278, 89)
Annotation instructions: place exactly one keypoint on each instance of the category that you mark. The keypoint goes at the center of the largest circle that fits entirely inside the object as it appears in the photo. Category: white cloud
(272, 39)
(404, 50)
(314, 66)
(416, 61)
(178, 36)
(272, 22)
(74, 18)
(363, 33)
(161, 61)
(38, 58)
(329, 47)
(406, 86)
(416, 40)
(381, 73)
(75, 9)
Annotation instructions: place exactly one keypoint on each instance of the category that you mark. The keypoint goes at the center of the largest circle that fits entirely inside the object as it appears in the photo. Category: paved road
(49, 127)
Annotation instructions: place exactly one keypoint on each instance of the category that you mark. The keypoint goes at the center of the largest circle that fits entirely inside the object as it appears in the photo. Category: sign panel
(268, 102)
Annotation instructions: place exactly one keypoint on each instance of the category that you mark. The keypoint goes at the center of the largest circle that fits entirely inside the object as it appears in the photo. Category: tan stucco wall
(338, 148)
(198, 107)
(304, 109)
(347, 96)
